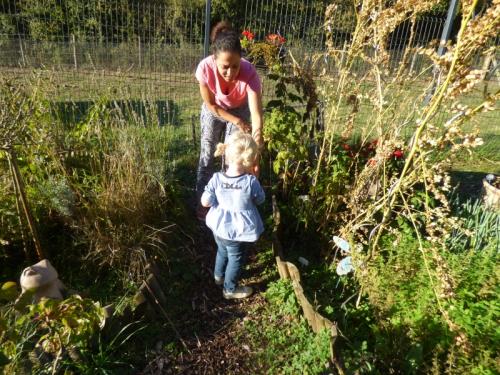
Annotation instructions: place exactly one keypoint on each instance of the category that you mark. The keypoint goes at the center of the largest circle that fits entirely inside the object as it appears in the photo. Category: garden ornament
(342, 244)
(345, 266)
(491, 191)
(303, 261)
(42, 279)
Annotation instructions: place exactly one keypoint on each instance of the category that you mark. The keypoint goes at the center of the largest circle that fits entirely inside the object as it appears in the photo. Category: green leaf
(274, 104)
(295, 98)
(290, 109)
(276, 166)
(24, 300)
(4, 360)
(9, 291)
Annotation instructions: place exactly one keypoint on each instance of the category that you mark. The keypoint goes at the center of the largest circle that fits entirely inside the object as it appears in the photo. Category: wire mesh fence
(137, 54)
(145, 53)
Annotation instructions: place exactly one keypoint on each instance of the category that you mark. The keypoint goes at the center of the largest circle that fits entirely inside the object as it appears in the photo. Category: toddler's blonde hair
(240, 148)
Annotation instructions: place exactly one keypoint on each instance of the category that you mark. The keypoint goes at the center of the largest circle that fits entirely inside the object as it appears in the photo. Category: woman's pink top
(247, 80)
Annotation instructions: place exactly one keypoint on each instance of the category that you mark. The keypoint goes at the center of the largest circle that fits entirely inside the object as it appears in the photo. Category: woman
(232, 97)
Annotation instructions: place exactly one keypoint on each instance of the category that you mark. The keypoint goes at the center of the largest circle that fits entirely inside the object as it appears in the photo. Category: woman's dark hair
(225, 39)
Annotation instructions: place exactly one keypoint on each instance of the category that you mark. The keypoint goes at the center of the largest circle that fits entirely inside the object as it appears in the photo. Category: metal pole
(445, 36)
(206, 43)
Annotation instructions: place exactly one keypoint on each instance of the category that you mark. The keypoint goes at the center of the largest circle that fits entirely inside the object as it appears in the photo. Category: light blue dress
(233, 213)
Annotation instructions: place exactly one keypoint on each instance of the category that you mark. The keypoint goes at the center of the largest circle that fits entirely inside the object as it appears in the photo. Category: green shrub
(54, 336)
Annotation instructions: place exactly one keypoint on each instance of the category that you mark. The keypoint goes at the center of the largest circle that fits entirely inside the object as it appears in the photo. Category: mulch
(215, 348)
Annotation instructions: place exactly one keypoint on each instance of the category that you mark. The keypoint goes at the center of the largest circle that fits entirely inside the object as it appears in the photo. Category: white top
(233, 213)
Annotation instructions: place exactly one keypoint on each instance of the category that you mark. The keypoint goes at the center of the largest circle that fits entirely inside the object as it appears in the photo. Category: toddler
(233, 217)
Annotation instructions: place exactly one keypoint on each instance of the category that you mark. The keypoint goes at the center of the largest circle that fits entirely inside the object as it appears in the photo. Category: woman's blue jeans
(230, 259)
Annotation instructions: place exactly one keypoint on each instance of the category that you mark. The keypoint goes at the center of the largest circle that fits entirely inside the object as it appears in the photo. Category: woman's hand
(244, 126)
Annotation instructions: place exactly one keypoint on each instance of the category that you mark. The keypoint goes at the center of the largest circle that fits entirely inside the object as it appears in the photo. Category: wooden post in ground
(489, 60)
(73, 42)
(139, 48)
(23, 58)
(23, 200)
(193, 130)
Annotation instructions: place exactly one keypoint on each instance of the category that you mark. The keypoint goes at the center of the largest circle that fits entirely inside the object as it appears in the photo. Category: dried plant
(18, 110)
(125, 222)
(402, 119)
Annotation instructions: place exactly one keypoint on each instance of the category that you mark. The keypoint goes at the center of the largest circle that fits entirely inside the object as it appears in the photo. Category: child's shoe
(238, 293)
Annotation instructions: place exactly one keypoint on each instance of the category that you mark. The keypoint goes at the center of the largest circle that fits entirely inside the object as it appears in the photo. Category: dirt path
(211, 324)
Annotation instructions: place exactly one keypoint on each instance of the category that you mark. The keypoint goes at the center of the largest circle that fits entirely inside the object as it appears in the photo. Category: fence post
(445, 36)
(206, 43)
(73, 41)
(139, 47)
(23, 58)
(193, 130)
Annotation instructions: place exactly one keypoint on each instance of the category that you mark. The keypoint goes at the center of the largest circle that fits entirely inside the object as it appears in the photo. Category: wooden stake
(23, 58)
(21, 195)
(193, 130)
(139, 47)
(74, 51)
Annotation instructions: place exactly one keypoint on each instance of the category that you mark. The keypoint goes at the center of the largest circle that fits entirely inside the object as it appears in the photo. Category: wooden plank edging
(289, 271)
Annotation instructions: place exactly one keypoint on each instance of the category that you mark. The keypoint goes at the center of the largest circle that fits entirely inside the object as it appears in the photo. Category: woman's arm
(256, 113)
(209, 100)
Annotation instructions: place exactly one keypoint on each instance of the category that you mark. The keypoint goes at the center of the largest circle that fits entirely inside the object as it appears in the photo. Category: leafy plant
(479, 227)
(20, 108)
(280, 338)
(52, 336)
(391, 204)
(106, 356)
(49, 330)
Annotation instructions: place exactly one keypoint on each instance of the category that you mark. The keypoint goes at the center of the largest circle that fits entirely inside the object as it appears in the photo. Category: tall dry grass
(425, 116)
(105, 175)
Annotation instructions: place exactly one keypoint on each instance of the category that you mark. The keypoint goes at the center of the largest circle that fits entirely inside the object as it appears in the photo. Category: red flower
(346, 147)
(373, 144)
(398, 154)
(275, 39)
(248, 34)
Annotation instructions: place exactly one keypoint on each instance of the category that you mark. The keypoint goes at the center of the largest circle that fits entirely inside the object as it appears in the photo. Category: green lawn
(177, 94)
